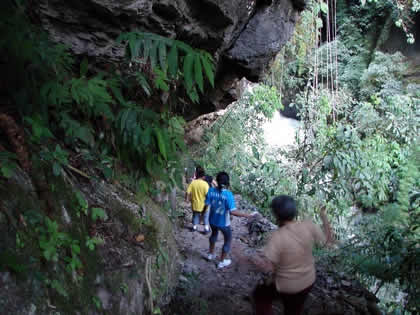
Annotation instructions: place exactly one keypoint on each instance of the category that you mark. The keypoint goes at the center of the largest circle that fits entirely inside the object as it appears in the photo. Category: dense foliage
(54, 95)
(57, 109)
(356, 151)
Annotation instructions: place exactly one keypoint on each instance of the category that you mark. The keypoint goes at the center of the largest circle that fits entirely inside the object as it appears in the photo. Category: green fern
(75, 130)
(195, 64)
(7, 164)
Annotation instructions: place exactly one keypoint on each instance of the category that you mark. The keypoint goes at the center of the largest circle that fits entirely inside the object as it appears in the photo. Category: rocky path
(205, 290)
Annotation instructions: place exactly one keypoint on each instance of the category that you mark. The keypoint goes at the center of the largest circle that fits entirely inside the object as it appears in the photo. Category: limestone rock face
(243, 35)
(264, 35)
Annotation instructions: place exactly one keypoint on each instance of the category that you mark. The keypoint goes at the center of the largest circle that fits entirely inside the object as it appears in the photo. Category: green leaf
(134, 45)
(198, 72)
(6, 171)
(153, 54)
(161, 143)
(255, 153)
(188, 70)
(324, 7)
(124, 116)
(146, 50)
(84, 67)
(59, 288)
(160, 78)
(98, 213)
(319, 22)
(90, 243)
(56, 169)
(75, 248)
(141, 79)
(84, 134)
(208, 69)
(81, 200)
(147, 136)
(143, 185)
(193, 95)
(107, 171)
(162, 56)
(173, 61)
(116, 91)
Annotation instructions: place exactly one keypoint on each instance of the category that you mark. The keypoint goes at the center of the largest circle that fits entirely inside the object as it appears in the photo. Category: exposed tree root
(16, 138)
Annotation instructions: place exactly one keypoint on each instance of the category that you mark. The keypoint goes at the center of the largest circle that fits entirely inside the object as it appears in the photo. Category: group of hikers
(287, 254)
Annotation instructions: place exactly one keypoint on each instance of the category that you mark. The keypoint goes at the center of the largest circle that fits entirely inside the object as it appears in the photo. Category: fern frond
(188, 70)
(198, 72)
(155, 51)
(153, 54)
(208, 67)
(163, 62)
(141, 79)
(173, 61)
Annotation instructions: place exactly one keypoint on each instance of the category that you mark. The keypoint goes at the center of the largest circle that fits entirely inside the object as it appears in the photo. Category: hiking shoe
(193, 228)
(224, 263)
(206, 230)
(211, 256)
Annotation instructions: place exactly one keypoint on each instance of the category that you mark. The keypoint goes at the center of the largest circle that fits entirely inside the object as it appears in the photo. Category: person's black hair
(208, 179)
(284, 208)
(199, 172)
(222, 180)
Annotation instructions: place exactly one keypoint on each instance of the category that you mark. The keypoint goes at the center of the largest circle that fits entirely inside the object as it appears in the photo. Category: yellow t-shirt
(198, 190)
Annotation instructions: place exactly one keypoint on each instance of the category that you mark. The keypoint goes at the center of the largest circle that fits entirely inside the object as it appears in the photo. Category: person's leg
(293, 303)
(195, 220)
(212, 241)
(227, 234)
(263, 298)
(202, 217)
(206, 215)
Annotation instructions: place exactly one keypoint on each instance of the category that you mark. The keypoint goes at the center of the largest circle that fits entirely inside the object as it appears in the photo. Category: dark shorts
(265, 294)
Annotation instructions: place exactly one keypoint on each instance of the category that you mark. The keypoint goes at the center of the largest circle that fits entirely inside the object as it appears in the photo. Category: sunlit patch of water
(280, 131)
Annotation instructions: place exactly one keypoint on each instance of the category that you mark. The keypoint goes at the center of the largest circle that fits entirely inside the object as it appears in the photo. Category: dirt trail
(203, 288)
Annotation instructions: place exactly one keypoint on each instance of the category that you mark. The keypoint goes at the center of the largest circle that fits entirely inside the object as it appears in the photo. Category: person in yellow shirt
(196, 193)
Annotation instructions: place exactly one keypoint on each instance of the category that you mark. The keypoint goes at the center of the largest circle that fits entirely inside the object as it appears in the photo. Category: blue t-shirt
(221, 204)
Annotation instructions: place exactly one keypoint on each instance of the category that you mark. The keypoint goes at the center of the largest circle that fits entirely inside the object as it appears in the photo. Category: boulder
(264, 35)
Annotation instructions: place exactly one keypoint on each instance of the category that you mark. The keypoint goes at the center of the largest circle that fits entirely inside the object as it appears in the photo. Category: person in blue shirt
(222, 205)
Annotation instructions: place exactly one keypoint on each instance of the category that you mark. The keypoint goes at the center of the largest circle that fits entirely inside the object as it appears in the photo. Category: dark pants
(227, 234)
(265, 294)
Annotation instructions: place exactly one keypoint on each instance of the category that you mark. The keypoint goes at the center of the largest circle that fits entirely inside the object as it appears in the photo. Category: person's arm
(238, 213)
(262, 263)
(268, 258)
(187, 196)
(231, 206)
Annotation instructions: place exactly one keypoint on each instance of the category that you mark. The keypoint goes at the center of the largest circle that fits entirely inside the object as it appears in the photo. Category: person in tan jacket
(288, 254)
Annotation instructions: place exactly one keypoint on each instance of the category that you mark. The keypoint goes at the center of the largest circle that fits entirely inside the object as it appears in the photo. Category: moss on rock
(111, 278)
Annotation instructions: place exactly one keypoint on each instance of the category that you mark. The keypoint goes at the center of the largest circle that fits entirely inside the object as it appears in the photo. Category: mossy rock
(111, 278)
